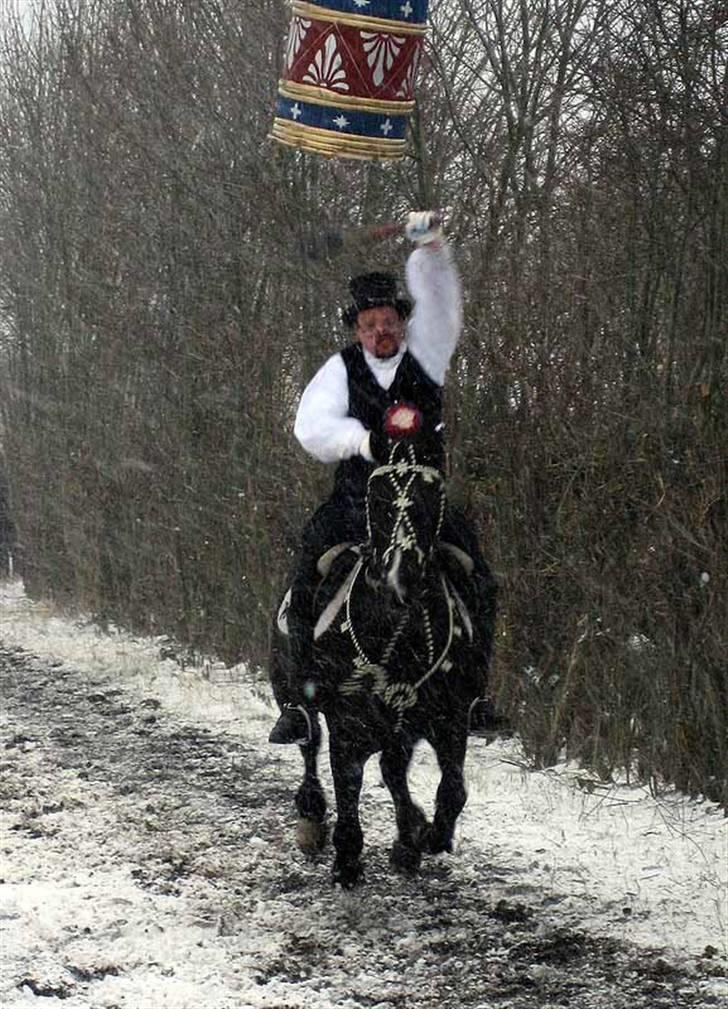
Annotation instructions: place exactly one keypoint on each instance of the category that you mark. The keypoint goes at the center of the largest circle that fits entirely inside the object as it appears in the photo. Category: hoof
(311, 837)
(435, 845)
(347, 876)
(405, 860)
(311, 802)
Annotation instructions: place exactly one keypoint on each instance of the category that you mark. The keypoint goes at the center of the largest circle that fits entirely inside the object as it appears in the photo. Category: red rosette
(402, 420)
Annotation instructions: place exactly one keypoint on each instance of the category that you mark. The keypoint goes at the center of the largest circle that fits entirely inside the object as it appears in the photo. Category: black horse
(401, 650)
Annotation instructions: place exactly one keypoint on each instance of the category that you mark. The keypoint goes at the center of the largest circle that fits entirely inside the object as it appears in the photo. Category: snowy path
(147, 860)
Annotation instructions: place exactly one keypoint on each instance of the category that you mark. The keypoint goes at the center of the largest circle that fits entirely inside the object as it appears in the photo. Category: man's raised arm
(433, 281)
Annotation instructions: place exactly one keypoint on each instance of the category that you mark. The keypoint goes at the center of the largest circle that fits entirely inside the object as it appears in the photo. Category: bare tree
(165, 296)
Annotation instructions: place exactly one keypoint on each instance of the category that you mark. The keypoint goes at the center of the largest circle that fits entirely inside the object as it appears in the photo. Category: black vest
(368, 402)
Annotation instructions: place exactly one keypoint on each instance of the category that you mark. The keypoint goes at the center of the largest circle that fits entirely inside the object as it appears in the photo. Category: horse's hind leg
(310, 799)
(449, 744)
(412, 825)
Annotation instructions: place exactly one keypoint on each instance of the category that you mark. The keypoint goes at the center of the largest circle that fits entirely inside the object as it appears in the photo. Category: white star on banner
(341, 121)
(386, 127)
(406, 9)
(296, 111)
(362, 3)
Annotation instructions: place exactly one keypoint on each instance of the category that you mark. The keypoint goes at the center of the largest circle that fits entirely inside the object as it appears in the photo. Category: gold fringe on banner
(320, 96)
(333, 144)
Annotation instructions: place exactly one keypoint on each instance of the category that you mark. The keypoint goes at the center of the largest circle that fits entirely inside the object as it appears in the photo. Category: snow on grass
(613, 858)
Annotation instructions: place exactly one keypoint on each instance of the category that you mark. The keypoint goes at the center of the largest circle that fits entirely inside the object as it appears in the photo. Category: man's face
(380, 330)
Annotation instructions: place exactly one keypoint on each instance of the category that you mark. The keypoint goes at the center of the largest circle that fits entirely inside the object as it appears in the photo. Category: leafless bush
(160, 315)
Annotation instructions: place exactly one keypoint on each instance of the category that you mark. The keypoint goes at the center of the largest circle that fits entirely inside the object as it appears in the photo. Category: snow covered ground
(126, 880)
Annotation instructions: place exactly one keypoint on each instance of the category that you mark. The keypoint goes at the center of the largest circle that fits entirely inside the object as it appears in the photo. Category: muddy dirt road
(146, 862)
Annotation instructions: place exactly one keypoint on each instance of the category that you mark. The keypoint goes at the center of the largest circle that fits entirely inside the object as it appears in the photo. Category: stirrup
(284, 731)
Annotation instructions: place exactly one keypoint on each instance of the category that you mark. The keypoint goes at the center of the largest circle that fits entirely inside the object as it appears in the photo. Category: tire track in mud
(202, 822)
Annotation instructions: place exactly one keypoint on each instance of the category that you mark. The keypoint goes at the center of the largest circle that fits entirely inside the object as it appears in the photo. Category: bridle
(400, 695)
(401, 475)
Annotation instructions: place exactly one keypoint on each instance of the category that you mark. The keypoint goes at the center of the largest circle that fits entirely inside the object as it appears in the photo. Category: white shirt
(322, 425)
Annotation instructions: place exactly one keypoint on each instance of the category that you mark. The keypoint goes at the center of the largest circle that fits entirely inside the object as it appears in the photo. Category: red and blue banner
(349, 74)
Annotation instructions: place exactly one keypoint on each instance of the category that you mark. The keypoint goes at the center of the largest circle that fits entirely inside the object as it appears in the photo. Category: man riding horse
(400, 354)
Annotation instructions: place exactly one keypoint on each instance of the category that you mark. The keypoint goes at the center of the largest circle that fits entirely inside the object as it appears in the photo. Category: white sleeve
(435, 324)
(322, 426)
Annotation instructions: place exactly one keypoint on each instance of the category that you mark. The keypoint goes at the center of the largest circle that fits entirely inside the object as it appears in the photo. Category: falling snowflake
(382, 50)
(327, 69)
(299, 29)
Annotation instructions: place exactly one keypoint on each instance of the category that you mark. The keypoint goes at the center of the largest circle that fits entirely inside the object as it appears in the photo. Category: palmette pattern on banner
(349, 74)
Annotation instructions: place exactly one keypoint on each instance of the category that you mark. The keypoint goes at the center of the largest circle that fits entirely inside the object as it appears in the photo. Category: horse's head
(405, 511)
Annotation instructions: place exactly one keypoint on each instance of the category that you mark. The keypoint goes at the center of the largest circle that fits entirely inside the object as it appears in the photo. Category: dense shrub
(162, 308)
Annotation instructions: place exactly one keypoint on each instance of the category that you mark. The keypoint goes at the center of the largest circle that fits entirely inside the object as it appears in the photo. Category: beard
(386, 347)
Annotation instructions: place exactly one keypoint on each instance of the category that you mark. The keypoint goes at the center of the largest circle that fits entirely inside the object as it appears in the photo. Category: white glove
(423, 227)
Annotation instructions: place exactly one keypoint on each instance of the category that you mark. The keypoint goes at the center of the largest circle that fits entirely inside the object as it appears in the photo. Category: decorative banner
(349, 75)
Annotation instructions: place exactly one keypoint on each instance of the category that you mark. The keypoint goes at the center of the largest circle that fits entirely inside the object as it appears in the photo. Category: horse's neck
(374, 597)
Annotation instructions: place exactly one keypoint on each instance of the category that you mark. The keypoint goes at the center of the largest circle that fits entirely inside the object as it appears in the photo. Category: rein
(398, 694)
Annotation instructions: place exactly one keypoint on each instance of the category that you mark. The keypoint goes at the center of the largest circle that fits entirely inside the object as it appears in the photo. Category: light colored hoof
(311, 837)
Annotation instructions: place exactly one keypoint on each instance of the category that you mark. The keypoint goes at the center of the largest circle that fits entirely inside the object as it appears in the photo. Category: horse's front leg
(449, 742)
(347, 769)
(310, 799)
(412, 825)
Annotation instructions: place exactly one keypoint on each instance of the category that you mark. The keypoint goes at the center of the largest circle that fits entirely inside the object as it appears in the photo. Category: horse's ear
(430, 448)
(380, 445)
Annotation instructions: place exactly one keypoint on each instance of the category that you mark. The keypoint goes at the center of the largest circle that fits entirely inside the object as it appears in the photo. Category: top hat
(374, 290)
